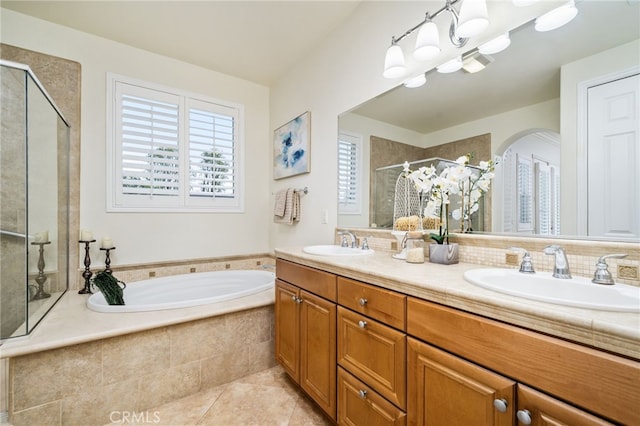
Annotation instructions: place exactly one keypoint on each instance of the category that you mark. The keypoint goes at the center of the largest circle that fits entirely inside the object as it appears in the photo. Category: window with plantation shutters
(172, 151)
(349, 174)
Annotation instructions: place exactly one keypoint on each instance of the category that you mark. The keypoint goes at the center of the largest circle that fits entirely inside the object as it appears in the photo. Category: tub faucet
(561, 266)
(354, 243)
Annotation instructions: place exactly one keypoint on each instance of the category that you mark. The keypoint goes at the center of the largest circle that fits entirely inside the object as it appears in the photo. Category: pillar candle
(41, 237)
(107, 243)
(86, 235)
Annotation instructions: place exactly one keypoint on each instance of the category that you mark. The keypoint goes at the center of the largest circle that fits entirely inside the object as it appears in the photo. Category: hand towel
(281, 199)
(291, 212)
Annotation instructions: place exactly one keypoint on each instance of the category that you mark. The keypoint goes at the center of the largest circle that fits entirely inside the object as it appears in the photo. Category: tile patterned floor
(265, 398)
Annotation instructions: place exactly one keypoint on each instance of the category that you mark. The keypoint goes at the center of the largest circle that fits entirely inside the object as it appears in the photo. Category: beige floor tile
(246, 404)
(265, 398)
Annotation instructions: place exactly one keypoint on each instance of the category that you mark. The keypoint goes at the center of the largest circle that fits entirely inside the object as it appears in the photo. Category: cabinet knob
(362, 393)
(524, 417)
(294, 298)
(362, 324)
(362, 301)
(501, 405)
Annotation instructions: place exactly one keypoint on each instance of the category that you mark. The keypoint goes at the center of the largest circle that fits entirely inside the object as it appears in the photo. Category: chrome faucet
(561, 266)
(526, 267)
(602, 274)
(344, 243)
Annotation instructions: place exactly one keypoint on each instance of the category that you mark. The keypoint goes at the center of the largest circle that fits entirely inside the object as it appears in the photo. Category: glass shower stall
(34, 201)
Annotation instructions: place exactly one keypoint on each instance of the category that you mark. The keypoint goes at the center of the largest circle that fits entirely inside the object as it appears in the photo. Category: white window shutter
(349, 174)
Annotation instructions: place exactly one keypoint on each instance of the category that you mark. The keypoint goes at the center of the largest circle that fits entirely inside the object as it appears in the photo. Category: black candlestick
(107, 261)
(87, 272)
(41, 278)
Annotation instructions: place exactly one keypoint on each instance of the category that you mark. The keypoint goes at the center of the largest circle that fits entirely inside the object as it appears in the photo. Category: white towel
(287, 211)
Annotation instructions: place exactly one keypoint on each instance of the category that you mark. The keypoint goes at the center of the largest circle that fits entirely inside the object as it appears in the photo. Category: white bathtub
(181, 291)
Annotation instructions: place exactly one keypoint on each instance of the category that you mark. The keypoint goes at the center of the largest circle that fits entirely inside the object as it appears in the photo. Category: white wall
(345, 71)
(142, 237)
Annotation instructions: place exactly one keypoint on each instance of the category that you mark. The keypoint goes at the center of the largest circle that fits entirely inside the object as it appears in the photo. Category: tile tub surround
(83, 383)
(618, 332)
(71, 325)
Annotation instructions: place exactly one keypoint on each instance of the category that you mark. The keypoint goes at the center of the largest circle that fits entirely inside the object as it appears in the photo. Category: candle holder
(107, 261)
(41, 278)
(87, 271)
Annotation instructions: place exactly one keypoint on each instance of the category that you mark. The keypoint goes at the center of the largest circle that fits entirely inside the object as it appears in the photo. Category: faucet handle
(344, 242)
(365, 243)
(526, 266)
(602, 274)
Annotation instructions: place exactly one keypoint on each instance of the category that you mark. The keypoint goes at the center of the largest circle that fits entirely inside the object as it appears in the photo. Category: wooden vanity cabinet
(359, 404)
(573, 378)
(371, 355)
(305, 338)
(447, 390)
(536, 408)
(373, 352)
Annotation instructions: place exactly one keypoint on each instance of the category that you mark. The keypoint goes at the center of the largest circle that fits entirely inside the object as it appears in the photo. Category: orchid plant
(469, 182)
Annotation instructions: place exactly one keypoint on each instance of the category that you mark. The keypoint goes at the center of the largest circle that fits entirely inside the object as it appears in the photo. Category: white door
(613, 159)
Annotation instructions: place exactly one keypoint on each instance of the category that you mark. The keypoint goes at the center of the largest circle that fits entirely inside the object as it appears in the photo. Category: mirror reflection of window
(547, 183)
(349, 174)
(524, 195)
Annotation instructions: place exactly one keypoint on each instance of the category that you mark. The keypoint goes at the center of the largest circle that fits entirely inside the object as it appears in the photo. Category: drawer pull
(362, 393)
(524, 417)
(362, 301)
(500, 405)
(362, 324)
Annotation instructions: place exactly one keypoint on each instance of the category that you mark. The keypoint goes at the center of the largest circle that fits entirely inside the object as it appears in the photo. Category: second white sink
(542, 286)
(335, 250)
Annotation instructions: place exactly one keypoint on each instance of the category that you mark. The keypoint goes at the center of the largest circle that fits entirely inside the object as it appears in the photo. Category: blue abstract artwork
(291, 144)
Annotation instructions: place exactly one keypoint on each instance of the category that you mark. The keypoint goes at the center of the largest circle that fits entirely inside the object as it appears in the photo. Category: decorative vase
(444, 254)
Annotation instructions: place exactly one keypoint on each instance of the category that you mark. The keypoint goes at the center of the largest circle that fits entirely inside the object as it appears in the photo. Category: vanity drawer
(315, 281)
(358, 404)
(384, 305)
(374, 353)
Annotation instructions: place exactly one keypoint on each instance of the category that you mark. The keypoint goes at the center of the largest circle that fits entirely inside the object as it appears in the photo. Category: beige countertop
(618, 332)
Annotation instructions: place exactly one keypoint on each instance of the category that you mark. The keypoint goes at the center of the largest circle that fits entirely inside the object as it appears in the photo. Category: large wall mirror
(528, 110)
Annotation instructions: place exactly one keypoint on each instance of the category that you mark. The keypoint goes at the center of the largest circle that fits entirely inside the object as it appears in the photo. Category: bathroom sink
(542, 286)
(335, 250)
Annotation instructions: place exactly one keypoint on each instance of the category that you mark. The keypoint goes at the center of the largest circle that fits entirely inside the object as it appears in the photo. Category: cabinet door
(360, 405)
(538, 409)
(446, 390)
(374, 353)
(287, 322)
(318, 350)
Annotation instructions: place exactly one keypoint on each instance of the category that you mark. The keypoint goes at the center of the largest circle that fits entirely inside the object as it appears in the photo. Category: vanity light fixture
(557, 17)
(473, 18)
(394, 65)
(416, 81)
(427, 42)
(471, 21)
(496, 45)
(450, 66)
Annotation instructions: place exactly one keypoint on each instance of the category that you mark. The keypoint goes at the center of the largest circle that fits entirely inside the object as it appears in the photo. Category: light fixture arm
(456, 41)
